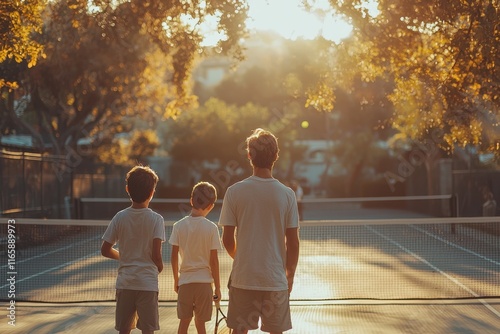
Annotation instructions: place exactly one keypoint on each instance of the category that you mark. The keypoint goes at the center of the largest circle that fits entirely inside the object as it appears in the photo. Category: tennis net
(313, 208)
(375, 259)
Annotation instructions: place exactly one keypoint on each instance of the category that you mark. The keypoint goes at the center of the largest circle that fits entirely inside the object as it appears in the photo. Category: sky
(289, 19)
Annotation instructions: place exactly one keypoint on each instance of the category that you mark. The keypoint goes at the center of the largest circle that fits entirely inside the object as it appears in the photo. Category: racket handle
(216, 301)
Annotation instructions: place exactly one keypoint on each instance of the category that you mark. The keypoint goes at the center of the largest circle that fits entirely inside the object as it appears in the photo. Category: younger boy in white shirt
(195, 265)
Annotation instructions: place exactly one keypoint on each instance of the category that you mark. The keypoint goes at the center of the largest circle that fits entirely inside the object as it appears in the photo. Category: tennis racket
(219, 318)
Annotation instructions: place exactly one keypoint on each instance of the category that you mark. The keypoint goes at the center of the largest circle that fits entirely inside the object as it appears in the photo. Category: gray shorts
(197, 299)
(136, 308)
(247, 306)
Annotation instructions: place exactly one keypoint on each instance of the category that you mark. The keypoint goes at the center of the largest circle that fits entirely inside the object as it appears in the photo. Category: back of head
(141, 182)
(262, 148)
(203, 195)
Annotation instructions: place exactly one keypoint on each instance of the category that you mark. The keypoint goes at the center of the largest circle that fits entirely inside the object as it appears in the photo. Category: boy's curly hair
(203, 195)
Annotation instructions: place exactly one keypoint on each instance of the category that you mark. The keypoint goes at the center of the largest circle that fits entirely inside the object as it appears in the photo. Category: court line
(451, 278)
(455, 245)
(53, 251)
(54, 268)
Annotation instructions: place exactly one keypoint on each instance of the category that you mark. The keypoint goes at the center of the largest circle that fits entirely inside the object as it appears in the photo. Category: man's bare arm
(229, 240)
(292, 254)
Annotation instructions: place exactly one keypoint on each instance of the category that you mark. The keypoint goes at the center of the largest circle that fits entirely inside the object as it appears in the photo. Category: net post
(77, 204)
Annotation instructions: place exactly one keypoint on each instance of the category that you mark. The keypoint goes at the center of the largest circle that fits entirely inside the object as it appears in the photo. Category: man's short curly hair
(262, 148)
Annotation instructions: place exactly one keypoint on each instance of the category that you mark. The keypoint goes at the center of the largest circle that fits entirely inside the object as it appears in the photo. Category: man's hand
(176, 286)
(292, 254)
(290, 284)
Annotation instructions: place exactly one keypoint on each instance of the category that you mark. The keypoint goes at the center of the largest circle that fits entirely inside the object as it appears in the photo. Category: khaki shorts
(247, 306)
(136, 309)
(195, 298)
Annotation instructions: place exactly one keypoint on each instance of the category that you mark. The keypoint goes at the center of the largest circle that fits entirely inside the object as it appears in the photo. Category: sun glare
(289, 19)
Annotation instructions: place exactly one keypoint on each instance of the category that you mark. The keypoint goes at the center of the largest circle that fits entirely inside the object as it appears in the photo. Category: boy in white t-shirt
(195, 241)
(139, 233)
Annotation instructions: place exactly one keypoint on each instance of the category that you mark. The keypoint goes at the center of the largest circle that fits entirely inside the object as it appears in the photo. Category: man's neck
(264, 173)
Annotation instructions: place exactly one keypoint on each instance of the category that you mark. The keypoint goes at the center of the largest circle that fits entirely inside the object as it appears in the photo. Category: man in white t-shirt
(195, 241)
(139, 233)
(260, 232)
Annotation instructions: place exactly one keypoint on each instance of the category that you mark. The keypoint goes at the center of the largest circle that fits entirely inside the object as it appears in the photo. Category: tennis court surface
(399, 275)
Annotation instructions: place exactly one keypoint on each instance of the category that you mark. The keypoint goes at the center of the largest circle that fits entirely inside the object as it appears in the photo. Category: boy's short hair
(203, 195)
(262, 148)
(141, 181)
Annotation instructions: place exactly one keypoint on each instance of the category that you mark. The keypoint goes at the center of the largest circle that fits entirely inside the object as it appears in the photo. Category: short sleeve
(216, 242)
(227, 215)
(174, 237)
(159, 232)
(293, 214)
(110, 235)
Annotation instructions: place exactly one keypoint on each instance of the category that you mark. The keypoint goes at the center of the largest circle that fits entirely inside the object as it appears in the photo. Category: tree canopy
(277, 78)
(444, 60)
(215, 132)
(108, 62)
(20, 22)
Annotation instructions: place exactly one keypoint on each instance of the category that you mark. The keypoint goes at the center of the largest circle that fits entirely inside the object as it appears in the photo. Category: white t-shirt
(134, 230)
(261, 209)
(196, 237)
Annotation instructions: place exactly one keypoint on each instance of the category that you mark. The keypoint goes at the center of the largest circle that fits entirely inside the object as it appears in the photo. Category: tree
(143, 144)
(110, 62)
(211, 140)
(129, 149)
(443, 57)
(274, 75)
(20, 21)
(215, 132)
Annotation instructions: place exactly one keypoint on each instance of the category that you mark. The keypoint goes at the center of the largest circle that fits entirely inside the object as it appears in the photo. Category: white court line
(451, 278)
(449, 243)
(54, 268)
(53, 251)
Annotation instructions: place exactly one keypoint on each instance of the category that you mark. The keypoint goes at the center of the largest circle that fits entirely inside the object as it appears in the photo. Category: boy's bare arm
(174, 260)
(108, 251)
(292, 254)
(156, 256)
(214, 267)
(228, 239)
